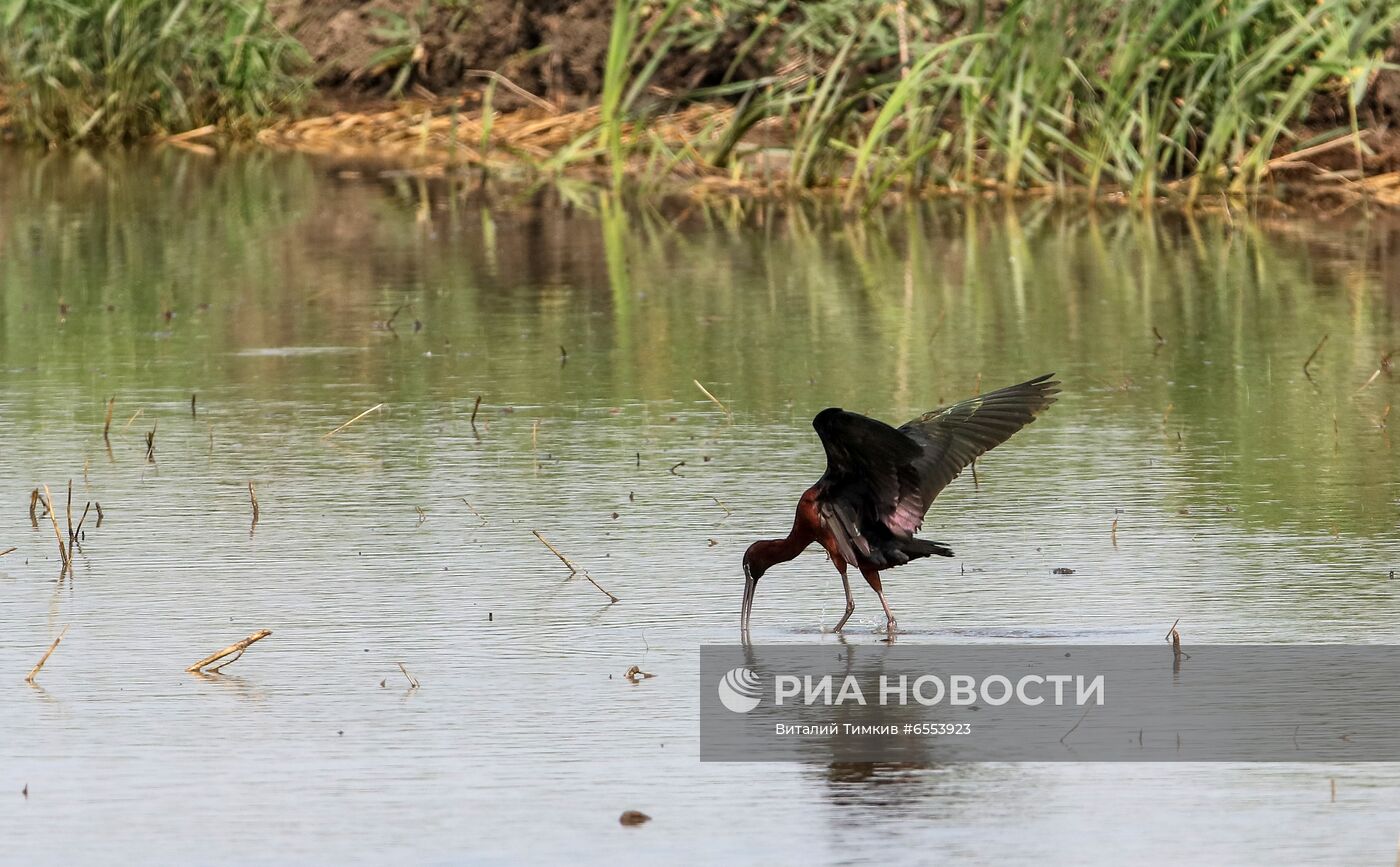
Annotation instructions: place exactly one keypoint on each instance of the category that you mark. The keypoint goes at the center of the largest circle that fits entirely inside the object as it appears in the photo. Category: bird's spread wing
(950, 438)
(880, 475)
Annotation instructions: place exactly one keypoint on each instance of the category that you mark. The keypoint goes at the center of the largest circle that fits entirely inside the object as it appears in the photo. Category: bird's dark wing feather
(880, 481)
(950, 438)
(869, 468)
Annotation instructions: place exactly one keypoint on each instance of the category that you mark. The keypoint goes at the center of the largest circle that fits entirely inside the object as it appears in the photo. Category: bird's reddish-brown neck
(769, 552)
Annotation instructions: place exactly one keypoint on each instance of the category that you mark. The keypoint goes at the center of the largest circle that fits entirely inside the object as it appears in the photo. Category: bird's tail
(915, 548)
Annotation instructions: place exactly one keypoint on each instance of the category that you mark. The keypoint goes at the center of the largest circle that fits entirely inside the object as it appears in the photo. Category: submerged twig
(352, 421)
(39, 666)
(235, 650)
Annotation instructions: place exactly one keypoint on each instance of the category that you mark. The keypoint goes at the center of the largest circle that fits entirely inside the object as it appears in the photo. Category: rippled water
(1251, 502)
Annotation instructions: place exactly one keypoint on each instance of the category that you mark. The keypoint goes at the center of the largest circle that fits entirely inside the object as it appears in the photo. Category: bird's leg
(872, 577)
(890, 628)
(850, 600)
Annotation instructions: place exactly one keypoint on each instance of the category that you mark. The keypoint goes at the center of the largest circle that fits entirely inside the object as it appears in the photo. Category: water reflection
(1199, 476)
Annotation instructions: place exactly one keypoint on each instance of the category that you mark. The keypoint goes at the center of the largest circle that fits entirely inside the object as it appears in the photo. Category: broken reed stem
(9, 550)
(69, 509)
(573, 570)
(39, 666)
(78, 530)
(151, 443)
(727, 512)
(1315, 351)
(33, 501)
(107, 422)
(1175, 638)
(231, 650)
(475, 407)
(253, 498)
(729, 415)
(62, 551)
(1113, 532)
(412, 681)
(193, 398)
(134, 417)
(611, 598)
(99, 513)
(480, 516)
(353, 420)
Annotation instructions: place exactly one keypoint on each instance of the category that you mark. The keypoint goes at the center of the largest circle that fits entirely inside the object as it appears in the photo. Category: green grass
(1123, 95)
(105, 70)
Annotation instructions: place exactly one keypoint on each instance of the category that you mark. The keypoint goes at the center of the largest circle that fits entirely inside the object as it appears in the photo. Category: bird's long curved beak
(750, 585)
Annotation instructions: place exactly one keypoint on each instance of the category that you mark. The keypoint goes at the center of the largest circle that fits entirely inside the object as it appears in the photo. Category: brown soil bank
(554, 48)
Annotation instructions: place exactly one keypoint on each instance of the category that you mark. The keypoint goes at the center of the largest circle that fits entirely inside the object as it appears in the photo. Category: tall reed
(86, 70)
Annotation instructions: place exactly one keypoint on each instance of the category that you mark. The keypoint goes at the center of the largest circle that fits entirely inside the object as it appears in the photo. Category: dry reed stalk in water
(235, 650)
(151, 443)
(39, 666)
(480, 516)
(475, 407)
(253, 498)
(9, 550)
(727, 414)
(58, 537)
(611, 598)
(573, 570)
(107, 423)
(353, 420)
(69, 509)
(134, 417)
(1175, 638)
(33, 501)
(412, 681)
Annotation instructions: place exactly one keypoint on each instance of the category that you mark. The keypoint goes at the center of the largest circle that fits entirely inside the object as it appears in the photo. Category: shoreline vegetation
(1139, 101)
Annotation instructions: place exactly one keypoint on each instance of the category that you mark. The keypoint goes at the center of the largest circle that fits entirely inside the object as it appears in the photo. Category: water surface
(1191, 470)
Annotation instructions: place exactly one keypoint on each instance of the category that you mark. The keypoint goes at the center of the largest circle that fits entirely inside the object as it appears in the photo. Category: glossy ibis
(880, 481)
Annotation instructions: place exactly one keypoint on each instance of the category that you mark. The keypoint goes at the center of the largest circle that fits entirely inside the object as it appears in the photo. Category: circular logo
(740, 690)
